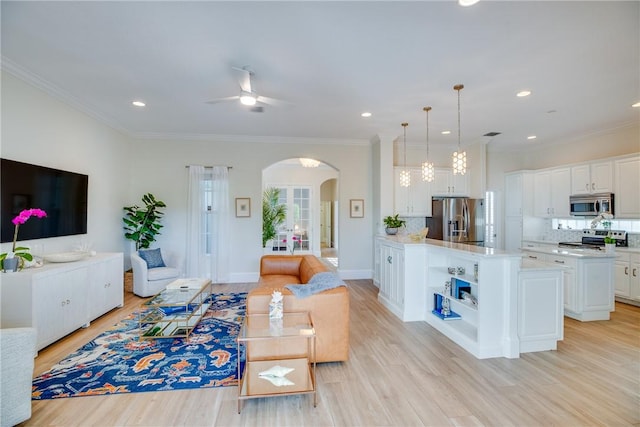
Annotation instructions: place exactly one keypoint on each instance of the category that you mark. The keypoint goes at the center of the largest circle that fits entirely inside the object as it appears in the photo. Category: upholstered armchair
(149, 281)
(17, 350)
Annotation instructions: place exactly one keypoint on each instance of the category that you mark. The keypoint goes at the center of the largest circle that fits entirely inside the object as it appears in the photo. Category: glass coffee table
(280, 356)
(176, 310)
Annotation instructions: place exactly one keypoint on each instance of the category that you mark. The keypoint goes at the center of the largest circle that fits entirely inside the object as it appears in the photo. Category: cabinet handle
(593, 186)
(533, 257)
(634, 272)
(68, 302)
(586, 186)
(626, 271)
(389, 259)
(558, 261)
(453, 188)
(63, 303)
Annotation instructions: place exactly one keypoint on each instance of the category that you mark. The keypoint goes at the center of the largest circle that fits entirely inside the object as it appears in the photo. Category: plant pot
(610, 247)
(391, 230)
(10, 264)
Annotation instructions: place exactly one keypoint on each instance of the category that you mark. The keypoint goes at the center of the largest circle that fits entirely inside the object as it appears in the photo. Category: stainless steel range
(594, 239)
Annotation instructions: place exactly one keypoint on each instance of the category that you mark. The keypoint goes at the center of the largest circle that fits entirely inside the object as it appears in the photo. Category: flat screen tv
(61, 194)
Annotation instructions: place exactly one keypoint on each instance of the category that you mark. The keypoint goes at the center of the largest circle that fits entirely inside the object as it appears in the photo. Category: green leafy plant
(609, 239)
(142, 224)
(393, 221)
(273, 214)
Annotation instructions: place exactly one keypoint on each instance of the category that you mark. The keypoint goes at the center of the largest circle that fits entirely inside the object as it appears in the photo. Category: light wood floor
(399, 374)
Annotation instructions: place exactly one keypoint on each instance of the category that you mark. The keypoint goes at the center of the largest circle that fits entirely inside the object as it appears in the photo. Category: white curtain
(207, 223)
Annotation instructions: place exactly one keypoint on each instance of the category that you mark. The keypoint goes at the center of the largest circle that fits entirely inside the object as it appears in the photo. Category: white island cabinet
(59, 298)
(589, 280)
(401, 278)
(498, 313)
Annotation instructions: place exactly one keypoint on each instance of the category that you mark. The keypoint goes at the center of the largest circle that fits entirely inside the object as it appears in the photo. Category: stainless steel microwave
(591, 204)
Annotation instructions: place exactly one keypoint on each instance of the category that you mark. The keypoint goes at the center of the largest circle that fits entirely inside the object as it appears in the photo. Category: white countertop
(576, 253)
(469, 249)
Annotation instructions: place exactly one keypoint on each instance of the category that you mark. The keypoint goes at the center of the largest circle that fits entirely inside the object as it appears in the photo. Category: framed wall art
(243, 207)
(356, 208)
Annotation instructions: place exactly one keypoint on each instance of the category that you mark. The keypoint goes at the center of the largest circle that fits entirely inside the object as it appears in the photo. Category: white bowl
(65, 257)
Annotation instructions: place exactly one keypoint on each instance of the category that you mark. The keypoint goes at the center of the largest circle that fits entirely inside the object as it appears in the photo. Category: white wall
(39, 129)
(160, 169)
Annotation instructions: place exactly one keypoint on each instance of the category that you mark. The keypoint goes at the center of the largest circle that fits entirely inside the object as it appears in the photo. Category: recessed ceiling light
(531, 137)
(636, 105)
(446, 132)
(366, 114)
(139, 103)
(523, 93)
(466, 3)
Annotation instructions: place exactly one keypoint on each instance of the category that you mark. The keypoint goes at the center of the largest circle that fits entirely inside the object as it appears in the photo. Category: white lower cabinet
(627, 276)
(57, 299)
(60, 304)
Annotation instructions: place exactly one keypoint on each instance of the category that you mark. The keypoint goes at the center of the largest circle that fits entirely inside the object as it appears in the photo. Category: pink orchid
(28, 213)
(22, 218)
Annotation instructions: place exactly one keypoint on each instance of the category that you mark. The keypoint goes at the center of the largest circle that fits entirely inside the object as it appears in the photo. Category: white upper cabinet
(592, 178)
(414, 200)
(627, 188)
(447, 183)
(551, 191)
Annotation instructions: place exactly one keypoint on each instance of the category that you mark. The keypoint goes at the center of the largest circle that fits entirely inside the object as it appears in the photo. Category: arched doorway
(305, 191)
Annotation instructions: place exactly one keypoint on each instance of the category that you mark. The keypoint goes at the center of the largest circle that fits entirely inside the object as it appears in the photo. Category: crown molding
(247, 138)
(56, 92)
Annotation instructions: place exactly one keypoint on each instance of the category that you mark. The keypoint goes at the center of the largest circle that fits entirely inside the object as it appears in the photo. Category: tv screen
(61, 194)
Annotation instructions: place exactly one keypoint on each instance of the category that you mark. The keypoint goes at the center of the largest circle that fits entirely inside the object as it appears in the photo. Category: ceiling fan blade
(272, 101)
(218, 100)
(245, 78)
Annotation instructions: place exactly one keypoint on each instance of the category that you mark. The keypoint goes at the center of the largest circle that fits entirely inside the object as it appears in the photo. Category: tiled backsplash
(572, 234)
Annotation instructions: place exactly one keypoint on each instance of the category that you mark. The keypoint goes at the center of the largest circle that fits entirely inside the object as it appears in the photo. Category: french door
(294, 235)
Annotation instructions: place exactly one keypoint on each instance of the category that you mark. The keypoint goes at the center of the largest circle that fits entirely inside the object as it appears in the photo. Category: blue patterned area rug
(119, 362)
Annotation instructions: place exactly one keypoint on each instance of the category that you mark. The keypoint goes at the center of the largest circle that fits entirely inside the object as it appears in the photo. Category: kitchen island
(507, 308)
(588, 277)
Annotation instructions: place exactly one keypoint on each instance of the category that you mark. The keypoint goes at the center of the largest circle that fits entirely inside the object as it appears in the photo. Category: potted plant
(142, 224)
(609, 244)
(15, 259)
(273, 214)
(392, 223)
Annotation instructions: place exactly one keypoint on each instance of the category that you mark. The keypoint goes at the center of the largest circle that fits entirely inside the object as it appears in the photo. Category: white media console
(59, 298)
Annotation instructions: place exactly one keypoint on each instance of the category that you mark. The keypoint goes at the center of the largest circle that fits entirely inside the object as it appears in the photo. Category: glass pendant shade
(428, 171)
(405, 178)
(459, 162)
(459, 158)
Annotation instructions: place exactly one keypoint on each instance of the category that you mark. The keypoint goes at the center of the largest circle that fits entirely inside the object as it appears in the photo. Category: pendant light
(405, 175)
(428, 172)
(459, 157)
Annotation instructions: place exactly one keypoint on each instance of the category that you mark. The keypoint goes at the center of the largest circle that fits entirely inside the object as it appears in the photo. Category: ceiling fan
(248, 96)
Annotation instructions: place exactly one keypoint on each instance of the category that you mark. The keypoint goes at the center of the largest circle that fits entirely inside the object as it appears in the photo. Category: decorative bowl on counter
(65, 257)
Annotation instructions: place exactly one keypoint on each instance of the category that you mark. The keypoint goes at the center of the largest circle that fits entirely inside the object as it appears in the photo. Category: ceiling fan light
(247, 99)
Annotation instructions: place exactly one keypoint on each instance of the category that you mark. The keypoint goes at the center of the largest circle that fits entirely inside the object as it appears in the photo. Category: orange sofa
(329, 309)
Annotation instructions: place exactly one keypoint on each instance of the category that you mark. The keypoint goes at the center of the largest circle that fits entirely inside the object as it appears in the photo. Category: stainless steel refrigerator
(457, 219)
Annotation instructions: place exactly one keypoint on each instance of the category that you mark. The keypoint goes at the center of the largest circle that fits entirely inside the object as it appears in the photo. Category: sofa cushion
(162, 273)
(153, 258)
